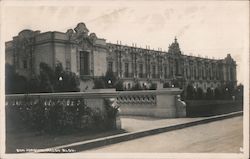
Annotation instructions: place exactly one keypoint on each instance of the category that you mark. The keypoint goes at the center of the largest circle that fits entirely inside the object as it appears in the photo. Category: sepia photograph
(124, 79)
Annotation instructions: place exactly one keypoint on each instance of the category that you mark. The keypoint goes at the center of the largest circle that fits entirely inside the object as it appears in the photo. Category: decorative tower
(174, 48)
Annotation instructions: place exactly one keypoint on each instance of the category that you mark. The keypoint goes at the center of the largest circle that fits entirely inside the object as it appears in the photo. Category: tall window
(191, 67)
(231, 74)
(153, 71)
(84, 63)
(195, 73)
(199, 70)
(68, 66)
(126, 70)
(25, 65)
(176, 67)
(110, 66)
(140, 70)
(160, 70)
(165, 72)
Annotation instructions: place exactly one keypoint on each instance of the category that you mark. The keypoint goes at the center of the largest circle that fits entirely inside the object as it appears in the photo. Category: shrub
(217, 93)
(166, 85)
(153, 86)
(99, 83)
(209, 94)
(119, 85)
(109, 76)
(46, 82)
(137, 86)
(57, 115)
(200, 93)
(14, 83)
(190, 92)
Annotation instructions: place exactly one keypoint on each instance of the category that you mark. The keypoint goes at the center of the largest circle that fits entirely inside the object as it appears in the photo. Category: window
(25, 65)
(153, 71)
(165, 72)
(67, 65)
(110, 66)
(126, 70)
(84, 63)
(232, 74)
(141, 70)
(195, 75)
(129, 85)
(160, 70)
(191, 69)
(176, 67)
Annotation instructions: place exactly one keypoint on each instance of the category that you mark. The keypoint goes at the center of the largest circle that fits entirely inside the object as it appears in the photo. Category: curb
(85, 145)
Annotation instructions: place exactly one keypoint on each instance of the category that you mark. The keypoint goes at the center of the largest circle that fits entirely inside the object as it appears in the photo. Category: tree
(153, 86)
(217, 93)
(137, 86)
(166, 85)
(65, 81)
(209, 94)
(47, 78)
(14, 83)
(190, 92)
(107, 81)
(99, 83)
(110, 79)
(34, 85)
(119, 85)
(239, 92)
(46, 82)
(200, 93)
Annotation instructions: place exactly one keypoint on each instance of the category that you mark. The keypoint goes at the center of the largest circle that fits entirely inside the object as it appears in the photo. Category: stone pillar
(166, 103)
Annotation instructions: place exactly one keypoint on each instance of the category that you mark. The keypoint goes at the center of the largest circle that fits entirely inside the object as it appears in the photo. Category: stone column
(166, 105)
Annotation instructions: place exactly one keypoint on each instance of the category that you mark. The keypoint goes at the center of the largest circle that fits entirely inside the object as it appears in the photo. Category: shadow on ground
(20, 138)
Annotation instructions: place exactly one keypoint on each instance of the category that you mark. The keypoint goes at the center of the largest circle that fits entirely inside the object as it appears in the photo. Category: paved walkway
(139, 123)
(141, 127)
(220, 136)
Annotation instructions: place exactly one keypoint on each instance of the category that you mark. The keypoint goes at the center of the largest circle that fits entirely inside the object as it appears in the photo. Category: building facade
(89, 57)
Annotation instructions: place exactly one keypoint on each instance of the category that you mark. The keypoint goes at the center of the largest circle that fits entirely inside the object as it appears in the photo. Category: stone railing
(140, 99)
(93, 99)
(156, 103)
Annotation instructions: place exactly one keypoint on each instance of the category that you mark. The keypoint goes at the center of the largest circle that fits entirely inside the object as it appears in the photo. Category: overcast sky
(212, 29)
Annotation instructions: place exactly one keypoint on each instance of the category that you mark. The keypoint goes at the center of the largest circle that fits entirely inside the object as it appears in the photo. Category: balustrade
(156, 103)
(136, 99)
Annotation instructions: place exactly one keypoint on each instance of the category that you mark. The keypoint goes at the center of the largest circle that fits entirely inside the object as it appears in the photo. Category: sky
(203, 28)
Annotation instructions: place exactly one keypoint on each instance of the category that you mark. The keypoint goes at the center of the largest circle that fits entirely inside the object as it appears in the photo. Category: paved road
(220, 136)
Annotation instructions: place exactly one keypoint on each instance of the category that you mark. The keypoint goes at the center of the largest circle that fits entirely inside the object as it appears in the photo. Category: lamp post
(227, 95)
(109, 83)
(60, 82)
(213, 92)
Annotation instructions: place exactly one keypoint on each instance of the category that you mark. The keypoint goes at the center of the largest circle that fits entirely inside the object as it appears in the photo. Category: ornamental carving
(80, 34)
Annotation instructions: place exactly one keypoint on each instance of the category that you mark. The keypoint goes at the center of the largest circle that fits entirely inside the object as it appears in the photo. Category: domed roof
(174, 48)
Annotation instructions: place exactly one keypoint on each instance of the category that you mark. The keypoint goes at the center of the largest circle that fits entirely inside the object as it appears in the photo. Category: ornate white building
(90, 57)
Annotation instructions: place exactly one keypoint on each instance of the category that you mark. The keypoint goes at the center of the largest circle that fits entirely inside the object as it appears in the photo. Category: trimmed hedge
(58, 115)
(203, 108)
